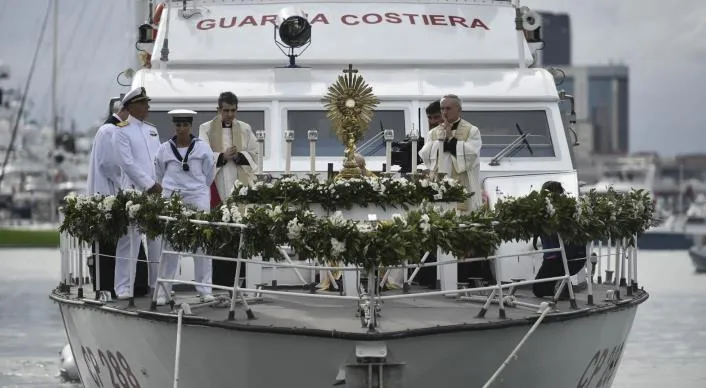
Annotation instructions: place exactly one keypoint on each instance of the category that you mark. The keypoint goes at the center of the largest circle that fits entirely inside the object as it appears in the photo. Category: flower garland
(344, 194)
(593, 216)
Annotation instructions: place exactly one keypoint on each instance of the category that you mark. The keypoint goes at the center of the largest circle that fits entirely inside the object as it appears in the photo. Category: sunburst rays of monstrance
(350, 103)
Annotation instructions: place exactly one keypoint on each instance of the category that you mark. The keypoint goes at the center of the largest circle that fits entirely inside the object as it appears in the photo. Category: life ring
(157, 13)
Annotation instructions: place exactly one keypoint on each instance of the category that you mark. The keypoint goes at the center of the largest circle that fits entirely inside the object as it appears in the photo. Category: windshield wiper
(361, 149)
(529, 147)
(522, 138)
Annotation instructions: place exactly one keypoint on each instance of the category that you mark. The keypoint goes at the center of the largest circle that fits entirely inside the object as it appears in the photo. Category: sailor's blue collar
(174, 138)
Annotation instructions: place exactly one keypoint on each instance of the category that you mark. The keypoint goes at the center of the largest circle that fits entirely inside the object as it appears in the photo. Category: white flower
(337, 247)
(403, 182)
(550, 207)
(226, 213)
(243, 191)
(82, 200)
(424, 182)
(106, 205)
(376, 186)
(364, 227)
(337, 218)
(257, 185)
(132, 210)
(294, 228)
(424, 223)
(438, 196)
(449, 181)
(273, 213)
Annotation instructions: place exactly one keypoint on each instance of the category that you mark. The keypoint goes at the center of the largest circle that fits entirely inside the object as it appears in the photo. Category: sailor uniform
(104, 178)
(189, 172)
(136, 147)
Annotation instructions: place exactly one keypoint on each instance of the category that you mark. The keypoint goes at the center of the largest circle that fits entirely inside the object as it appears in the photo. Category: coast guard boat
(411, 53)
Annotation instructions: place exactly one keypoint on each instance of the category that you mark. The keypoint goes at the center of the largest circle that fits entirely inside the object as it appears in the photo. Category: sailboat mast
(54, 112)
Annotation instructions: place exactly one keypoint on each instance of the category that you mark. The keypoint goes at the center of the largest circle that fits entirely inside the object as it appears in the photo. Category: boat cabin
(410, 52)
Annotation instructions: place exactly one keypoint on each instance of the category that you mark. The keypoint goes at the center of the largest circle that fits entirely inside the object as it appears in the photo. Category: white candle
(414, 137)
(288, 137)
(388, 135)
(260, 136)
(313, 135)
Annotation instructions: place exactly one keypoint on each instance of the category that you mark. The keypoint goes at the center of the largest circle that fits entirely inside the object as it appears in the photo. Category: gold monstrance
(351, 104)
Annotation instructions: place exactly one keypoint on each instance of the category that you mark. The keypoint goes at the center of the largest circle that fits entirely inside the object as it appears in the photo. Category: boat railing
(370, 299)
(74, 267)
(620, 260)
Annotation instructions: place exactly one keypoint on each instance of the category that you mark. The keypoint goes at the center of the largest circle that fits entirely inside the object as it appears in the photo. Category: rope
(546, 308)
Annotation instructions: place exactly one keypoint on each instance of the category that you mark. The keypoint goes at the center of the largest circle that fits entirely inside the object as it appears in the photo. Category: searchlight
(294, 33)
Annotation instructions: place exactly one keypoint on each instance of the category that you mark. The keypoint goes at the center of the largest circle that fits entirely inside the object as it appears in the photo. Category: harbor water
(667, 345)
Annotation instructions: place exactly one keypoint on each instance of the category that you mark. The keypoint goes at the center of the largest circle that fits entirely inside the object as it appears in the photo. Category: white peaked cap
(181, 113)
(137, 94)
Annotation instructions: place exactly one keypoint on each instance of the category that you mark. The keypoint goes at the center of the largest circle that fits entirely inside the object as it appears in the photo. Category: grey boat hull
(572, 349)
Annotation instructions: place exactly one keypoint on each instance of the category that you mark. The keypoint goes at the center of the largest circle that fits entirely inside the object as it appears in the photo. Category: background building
(601, 93)
(602, 100)
(556, 33)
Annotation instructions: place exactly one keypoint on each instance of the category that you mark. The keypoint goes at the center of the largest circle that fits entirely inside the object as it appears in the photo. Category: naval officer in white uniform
(104, 178)
(136, 147)
(185, 165)
(103, 169)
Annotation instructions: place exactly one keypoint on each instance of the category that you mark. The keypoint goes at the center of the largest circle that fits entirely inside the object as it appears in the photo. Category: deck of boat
(338, 317)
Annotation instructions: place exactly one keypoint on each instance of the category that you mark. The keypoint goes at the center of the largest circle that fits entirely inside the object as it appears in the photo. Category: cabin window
(163, 122)
(301, 121)
(498, 129)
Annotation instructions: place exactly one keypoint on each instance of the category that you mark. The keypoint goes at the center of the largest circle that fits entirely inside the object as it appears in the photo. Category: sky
(662, 43)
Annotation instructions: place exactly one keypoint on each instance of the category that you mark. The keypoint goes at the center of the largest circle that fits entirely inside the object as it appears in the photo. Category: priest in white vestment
(235, 151)
(234, 148)
(185, 165)
(453, 148)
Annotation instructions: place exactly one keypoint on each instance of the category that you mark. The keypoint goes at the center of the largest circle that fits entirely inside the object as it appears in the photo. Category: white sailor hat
(135, 95)
(182, 115)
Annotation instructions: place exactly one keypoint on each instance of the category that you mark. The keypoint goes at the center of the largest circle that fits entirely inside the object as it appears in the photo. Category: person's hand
(230, 153)
(447, 129)
(155, 189)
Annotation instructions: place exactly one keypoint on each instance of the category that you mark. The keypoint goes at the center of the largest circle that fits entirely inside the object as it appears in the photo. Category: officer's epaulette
(122, 124)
